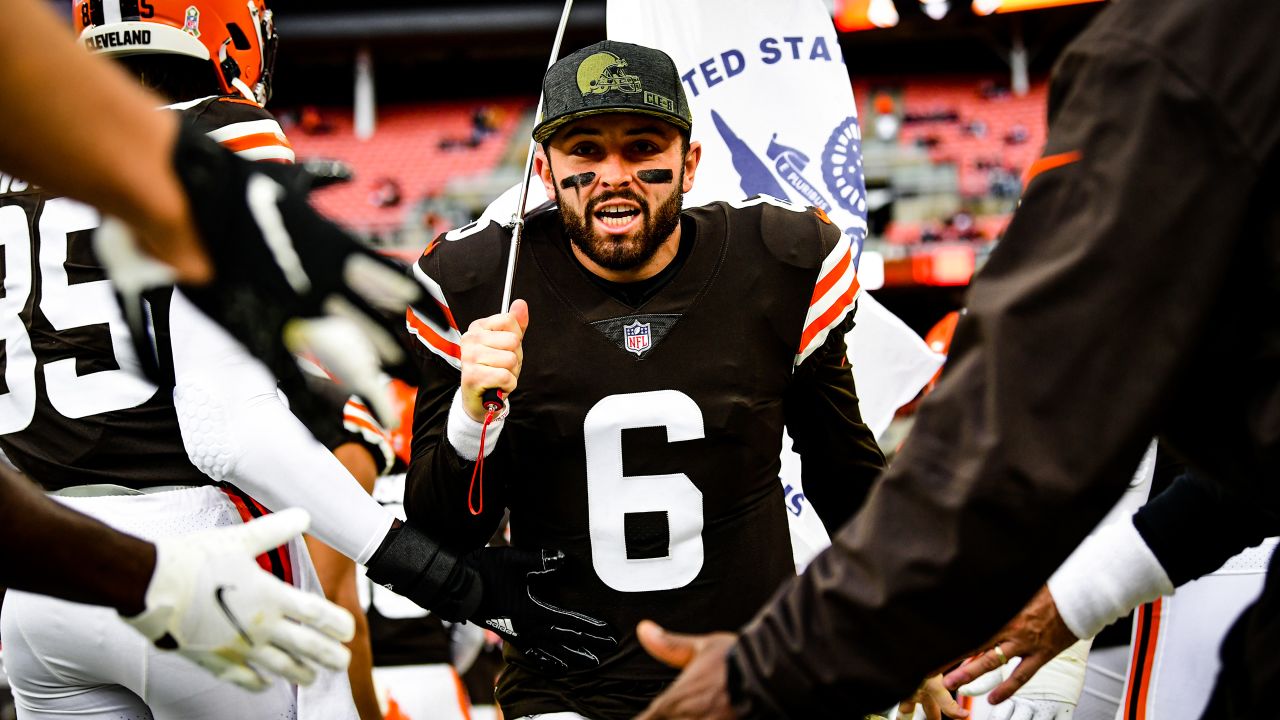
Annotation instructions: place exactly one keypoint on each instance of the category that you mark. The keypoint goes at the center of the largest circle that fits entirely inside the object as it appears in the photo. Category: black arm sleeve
(1197, 525)
(840, 457)
(438, 481)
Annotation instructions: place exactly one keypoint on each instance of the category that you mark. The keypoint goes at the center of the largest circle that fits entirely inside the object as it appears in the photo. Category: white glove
(1051, 694)
(209, 600)
(1017, 708)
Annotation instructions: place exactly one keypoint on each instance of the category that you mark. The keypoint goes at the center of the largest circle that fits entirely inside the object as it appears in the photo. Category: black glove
(554, 639)
(495, 588)
(275, 261)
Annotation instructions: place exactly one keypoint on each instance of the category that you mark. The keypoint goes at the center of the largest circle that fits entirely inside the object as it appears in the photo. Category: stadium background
(427, 104)
(455, 83)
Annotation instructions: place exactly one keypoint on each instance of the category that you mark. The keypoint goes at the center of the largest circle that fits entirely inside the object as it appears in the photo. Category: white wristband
(1112, 572)
(464, 433)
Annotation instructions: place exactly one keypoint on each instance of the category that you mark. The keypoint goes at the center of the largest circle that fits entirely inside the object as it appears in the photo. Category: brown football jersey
(644, 441)
(74, 408)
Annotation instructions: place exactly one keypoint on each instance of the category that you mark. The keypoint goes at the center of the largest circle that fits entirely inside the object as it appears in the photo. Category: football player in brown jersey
(659, 353)
(146, 456)
(87, 427)
(180, 198)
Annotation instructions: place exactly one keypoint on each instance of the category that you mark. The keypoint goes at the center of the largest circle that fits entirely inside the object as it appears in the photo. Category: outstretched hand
(210, 601)
(275, 273)
(1037, 635)
(700, 692)
(1051, 695)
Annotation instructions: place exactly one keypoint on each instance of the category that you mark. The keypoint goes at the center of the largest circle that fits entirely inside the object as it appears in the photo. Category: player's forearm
(57, 551)
(96, 138)
(1112, 572)
(282, 466)
(439, 494)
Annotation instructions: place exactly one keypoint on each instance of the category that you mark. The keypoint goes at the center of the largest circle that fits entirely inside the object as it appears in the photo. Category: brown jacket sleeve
(1077, 332)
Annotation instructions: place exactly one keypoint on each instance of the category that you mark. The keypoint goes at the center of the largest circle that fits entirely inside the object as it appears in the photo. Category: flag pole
(493, 398)
(518, 228)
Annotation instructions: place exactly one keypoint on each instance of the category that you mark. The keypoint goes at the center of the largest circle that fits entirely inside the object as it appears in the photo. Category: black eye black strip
(577, 181)
(661, 175)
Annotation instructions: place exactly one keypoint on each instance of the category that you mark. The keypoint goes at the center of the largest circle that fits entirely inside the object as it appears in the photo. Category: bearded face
(589, 230)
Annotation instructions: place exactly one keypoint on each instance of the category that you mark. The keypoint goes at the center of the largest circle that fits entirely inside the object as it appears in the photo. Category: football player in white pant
(82, 434)
(201, 595)
(85, 434)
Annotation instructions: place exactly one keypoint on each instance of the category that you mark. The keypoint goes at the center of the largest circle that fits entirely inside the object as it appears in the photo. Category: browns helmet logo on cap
(603, 72)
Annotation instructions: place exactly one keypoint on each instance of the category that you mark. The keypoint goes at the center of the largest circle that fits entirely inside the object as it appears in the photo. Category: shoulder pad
(796, 235)
(467, 257)
(547, 208)
(243, 127)
(219, 110)
(542, 219)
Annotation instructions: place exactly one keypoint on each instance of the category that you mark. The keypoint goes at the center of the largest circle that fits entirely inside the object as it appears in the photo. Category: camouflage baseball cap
(612, 77)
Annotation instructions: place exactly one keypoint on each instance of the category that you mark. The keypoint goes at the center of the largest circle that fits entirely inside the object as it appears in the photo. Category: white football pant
(67, 659)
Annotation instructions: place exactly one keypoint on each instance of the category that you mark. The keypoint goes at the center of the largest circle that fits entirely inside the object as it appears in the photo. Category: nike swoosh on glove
(285, 279)
(210, 601)
(553, 639)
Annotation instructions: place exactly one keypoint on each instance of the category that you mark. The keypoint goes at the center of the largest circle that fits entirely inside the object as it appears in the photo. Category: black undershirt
(635, 294)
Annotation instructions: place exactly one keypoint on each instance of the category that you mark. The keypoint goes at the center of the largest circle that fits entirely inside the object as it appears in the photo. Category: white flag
(773, 107)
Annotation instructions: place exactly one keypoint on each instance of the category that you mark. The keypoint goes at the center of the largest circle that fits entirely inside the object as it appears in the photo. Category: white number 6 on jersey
(611, 496)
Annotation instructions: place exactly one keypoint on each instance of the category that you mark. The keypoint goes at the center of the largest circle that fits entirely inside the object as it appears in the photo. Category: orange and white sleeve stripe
(258, 140)
(357, 418)
(833, 297)
(435, 326)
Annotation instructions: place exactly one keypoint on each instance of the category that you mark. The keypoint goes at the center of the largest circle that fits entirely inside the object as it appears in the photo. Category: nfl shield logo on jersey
(638, 338)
